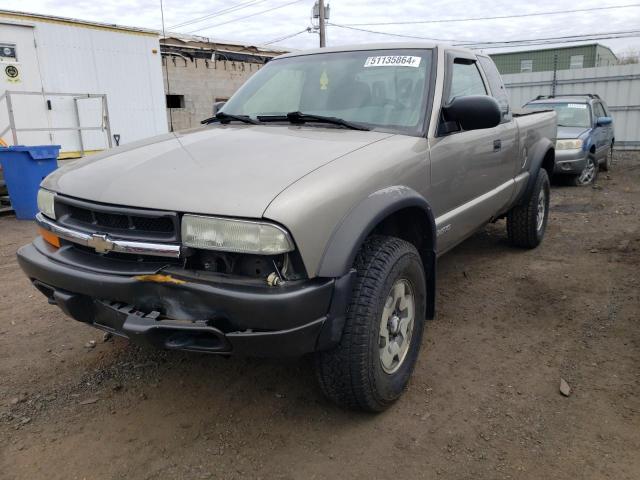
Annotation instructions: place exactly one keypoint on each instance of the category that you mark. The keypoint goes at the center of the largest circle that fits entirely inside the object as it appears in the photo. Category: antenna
(166, 68)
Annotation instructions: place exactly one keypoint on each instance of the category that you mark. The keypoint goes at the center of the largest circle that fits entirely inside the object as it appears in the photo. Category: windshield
(569, 114)
(382, 89)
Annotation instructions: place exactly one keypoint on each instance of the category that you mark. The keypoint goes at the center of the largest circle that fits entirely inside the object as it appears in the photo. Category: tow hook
(274, 279)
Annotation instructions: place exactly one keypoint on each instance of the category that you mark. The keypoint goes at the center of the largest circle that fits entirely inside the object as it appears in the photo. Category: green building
(544, 59)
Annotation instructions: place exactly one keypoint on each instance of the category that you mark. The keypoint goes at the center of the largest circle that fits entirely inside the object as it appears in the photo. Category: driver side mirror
(604, 121)
(473, 112)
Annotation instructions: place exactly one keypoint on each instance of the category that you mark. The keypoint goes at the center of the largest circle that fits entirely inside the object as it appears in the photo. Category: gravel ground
(484, 401)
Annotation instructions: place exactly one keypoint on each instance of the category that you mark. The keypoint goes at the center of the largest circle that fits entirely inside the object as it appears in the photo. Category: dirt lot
(483, 402)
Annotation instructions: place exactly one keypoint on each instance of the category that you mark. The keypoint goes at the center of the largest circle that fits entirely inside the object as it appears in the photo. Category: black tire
(608, 161)
(579, 180)
(523, 227)
(352, 374)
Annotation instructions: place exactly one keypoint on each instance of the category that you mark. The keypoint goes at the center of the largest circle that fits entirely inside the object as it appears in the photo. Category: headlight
(568, 144)
(46, 203)
(239, 236)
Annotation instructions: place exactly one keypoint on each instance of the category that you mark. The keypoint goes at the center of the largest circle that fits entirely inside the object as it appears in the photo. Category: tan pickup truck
(306, 217)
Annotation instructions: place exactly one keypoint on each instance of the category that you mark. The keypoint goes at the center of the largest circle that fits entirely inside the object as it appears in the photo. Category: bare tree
(629, 56)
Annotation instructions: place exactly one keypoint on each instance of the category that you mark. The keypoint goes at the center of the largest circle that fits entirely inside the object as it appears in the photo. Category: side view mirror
(603, 121)
(217, 106)
(473, 112)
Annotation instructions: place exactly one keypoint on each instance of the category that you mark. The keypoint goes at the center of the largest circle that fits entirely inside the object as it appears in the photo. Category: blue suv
(585, 135)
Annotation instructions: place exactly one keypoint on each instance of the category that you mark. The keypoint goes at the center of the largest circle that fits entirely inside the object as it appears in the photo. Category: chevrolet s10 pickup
(305, 217)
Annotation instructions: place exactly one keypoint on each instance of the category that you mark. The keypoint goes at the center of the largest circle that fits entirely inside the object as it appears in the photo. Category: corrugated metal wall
(619, 87)
(543, 60)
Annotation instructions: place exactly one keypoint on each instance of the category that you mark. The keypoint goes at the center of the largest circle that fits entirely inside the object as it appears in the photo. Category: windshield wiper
(223, 118)
(300, 118)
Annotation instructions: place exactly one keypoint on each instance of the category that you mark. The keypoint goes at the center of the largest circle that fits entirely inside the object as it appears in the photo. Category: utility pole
(323, 34)
(554, 83)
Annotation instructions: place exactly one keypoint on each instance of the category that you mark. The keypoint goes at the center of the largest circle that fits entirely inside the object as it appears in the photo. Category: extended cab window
(465, 80)
(496, 86)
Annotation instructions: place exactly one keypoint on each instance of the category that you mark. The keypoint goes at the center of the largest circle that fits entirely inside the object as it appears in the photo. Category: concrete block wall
(202, 82)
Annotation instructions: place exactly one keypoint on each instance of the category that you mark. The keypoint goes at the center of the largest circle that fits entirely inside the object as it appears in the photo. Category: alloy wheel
(588, 174)
(396, 326)
(542, 207)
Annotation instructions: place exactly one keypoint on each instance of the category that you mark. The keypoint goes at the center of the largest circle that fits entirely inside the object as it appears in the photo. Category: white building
(57, 74)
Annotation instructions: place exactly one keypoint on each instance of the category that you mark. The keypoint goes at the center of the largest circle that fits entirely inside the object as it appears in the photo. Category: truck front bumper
(181, 310)
(570, 162)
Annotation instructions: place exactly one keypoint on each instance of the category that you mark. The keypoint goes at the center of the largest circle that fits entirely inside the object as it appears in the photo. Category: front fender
(346, 240)
(360, 222)
(589, 140)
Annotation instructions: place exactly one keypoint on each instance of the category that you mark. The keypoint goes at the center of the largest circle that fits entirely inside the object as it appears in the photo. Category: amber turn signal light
(50, 237)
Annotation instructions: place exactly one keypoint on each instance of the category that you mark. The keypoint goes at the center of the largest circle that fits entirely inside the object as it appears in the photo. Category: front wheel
(589, 173)
(527, 222)
(371, 365)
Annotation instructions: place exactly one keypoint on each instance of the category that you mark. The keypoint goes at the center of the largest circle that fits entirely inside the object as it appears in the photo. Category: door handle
(497, 145)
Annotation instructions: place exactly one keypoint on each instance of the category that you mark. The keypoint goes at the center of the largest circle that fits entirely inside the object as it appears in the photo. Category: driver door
(469, 168)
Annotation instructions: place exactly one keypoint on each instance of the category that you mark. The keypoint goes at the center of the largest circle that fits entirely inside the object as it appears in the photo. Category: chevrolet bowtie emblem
(100, 243)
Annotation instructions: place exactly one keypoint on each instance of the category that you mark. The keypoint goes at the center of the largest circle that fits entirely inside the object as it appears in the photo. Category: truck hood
(571, 132)
(231, 170)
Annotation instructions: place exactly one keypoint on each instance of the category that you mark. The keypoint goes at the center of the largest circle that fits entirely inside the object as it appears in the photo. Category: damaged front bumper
(178, 309)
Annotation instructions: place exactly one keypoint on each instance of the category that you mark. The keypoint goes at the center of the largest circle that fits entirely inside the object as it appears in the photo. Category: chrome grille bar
(103, 243)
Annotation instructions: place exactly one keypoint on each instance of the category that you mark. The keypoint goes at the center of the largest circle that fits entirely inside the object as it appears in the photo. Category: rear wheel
(588, 174)
(371, 365)
(527, 222)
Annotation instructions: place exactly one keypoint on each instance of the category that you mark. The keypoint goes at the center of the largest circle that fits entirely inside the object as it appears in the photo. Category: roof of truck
(376, 46)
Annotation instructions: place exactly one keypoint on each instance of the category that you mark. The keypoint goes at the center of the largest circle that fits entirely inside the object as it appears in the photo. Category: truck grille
(121, 222)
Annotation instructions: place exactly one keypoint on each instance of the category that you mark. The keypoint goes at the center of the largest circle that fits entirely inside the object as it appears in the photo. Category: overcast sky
(295, 16)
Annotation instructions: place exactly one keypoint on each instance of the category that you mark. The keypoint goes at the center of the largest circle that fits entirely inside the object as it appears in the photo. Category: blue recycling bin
(23, 168)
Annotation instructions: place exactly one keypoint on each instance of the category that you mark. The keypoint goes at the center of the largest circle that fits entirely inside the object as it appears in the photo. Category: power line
(286, 37)
(450, 20)
(563, 37)
(390, 34)
(217, 13)
(551, 41)
(246, 16)
(499, 44)
(166, 69)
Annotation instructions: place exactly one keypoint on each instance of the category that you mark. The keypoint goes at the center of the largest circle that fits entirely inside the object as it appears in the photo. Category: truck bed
(540, 122)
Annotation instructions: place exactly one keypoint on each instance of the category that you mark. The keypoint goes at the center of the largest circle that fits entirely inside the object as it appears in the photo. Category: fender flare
(589, 142)
(536, 155)
(350, 234)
